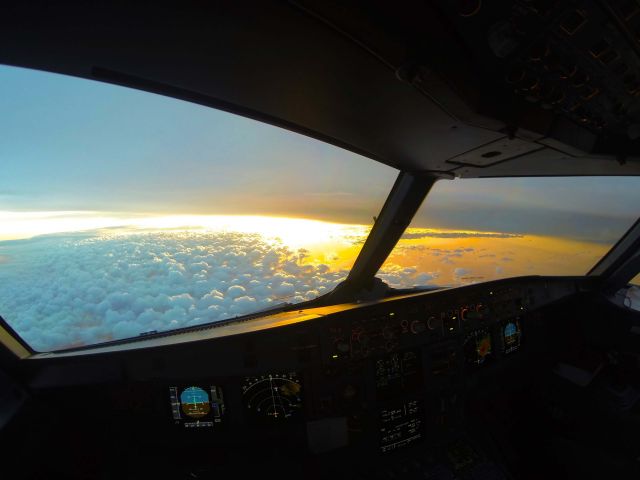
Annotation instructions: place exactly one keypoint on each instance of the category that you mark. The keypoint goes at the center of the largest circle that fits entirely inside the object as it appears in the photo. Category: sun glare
(323, 242)
(294, 232)
(19, 225)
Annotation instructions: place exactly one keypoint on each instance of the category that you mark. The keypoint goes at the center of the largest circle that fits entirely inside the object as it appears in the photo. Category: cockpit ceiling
(295, 66)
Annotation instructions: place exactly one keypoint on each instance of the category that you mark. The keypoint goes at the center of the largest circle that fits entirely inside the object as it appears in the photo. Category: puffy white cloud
(405, 277)
(461, 272)
(61, 291)
(417, 233)
(235, 291)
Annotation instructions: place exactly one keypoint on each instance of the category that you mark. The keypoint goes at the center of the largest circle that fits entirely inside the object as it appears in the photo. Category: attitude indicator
(197, 406)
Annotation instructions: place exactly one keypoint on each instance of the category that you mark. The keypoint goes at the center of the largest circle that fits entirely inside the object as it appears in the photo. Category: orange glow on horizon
(475, 259)
(448, 257)
(334, 244)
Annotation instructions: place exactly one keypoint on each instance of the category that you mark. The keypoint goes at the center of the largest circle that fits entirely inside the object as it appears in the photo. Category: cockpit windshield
(124, 212)
(475, 230)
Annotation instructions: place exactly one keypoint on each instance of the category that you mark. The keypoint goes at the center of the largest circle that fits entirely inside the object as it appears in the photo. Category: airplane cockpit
(318, 239)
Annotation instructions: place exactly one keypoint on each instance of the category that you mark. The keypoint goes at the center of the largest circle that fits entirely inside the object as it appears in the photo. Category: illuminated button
(451, 321)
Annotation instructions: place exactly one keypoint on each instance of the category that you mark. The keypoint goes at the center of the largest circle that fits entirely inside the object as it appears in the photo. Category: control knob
(417, 326)
(482, 310)
(434, 323)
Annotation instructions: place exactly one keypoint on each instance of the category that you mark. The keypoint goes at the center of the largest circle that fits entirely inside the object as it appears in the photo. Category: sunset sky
(74, 145)
(202, 192)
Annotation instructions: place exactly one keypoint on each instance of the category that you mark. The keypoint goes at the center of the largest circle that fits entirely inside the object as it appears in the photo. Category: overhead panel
(420, 86)
(550, 162)
(264, 59)
(495, 152)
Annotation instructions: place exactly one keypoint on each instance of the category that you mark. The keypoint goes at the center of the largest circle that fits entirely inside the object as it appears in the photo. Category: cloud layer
(417, 233)
(59, 291)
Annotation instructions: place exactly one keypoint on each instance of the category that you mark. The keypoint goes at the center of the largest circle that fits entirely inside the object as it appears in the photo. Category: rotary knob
(482, 310)
(434, 323)
(417, 326)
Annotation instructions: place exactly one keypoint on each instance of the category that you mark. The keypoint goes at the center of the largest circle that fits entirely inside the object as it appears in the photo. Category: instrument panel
(373, 385)
(381, 376)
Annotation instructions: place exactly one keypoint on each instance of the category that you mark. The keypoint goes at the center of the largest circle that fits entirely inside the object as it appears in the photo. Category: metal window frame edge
(613, 269)
(10, 339)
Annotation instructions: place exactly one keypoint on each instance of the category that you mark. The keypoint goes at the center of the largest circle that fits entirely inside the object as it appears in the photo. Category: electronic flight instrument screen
(511, 334)
(398, 373)
(272, 397)
(401, 425)
(195, 406)
(401, 421)
(477, 347)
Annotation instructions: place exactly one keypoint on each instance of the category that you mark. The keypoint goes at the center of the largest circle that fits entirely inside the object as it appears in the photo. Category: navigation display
(401, 425)
(477, 347)
(272, 397)
(398, 373)
(196, 406)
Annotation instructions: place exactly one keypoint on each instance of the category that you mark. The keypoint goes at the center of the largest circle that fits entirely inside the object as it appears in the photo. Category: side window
(635, 280)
